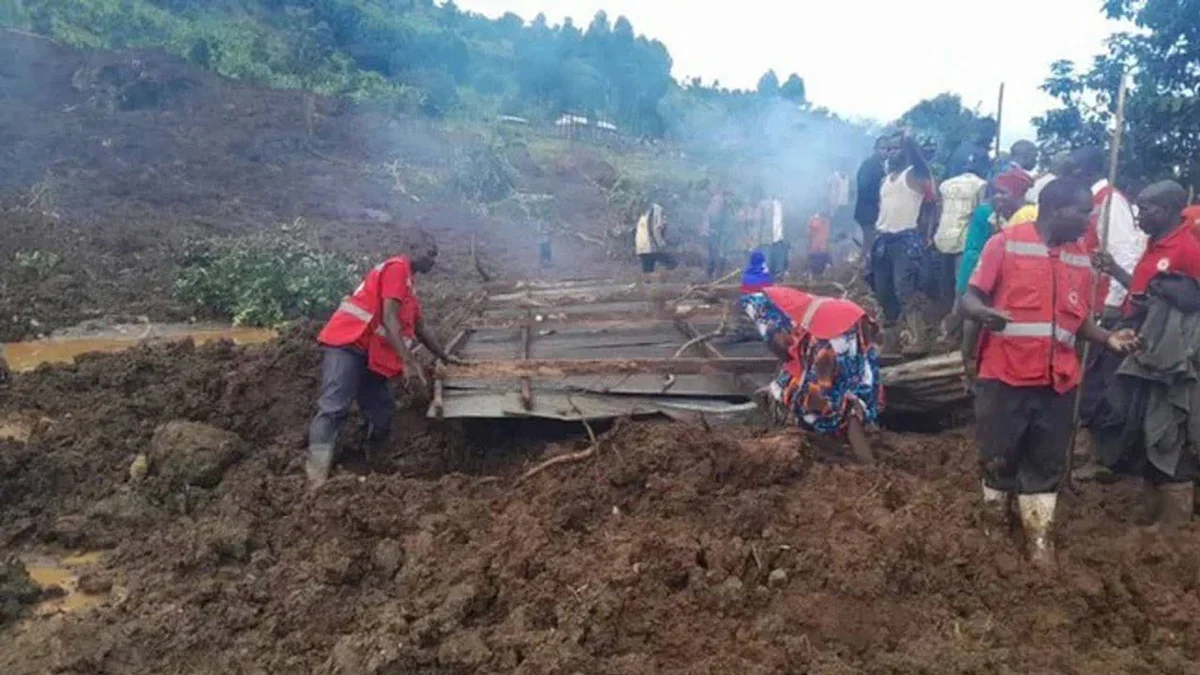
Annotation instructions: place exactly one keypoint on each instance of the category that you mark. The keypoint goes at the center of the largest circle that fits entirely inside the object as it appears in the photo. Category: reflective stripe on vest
(1038, 330)
(355, 311)
(811, 312)
(1036, 250)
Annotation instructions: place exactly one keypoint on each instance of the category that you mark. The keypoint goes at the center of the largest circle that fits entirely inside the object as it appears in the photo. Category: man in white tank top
(899, 247)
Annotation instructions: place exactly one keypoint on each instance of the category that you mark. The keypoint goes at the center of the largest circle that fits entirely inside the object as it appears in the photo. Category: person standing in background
(961, 195)
(650, 241)
(1126, 245)
(1053, 170)
(839, 196)
(781, 250)
(718, 223)
(866, 205)
(819, 258)
(899, 248)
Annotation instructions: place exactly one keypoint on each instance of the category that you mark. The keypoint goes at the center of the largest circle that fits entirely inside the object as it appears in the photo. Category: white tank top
(899, 205)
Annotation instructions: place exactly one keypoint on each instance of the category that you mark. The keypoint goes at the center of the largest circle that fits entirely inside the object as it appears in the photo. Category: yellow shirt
(1026, 214)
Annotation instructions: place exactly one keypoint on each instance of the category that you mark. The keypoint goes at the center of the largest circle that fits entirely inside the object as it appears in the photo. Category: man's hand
(1123, 341)
(993, 319)
(455, 361)
(970, 373)
(414, 375)
(1104, 262)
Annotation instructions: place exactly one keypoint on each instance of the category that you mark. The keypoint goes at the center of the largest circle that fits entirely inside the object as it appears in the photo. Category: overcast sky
(862, 58)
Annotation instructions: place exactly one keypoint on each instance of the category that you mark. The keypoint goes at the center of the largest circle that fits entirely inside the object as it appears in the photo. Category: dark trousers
(716, 256)
(779, 258)
(818, 263)
(896, 269)
(1023, 434)
(947, 271)
(344, 379)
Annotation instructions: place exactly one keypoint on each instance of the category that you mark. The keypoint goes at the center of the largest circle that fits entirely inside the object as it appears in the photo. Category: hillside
(114, 161)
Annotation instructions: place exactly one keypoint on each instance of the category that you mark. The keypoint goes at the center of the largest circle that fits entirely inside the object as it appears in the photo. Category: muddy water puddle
(25, 356)
(65, 574)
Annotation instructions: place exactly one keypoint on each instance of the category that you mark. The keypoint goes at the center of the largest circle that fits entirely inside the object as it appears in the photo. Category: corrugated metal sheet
(596, 321)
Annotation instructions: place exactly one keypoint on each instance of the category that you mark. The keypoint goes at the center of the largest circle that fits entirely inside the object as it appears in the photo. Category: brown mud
(674, 550)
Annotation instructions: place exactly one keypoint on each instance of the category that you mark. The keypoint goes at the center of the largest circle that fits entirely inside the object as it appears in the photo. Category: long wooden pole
(999, 119)
(1105, 220)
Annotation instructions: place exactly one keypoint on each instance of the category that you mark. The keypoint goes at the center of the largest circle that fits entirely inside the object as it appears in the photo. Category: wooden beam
(526, 338)
(559, 367)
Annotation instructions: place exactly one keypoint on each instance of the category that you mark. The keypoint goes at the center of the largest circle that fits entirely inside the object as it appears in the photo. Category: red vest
(823, 318)
(361, 314)
(1045, 294)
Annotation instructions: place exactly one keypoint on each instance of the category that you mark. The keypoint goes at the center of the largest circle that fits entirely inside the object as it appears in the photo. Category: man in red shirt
(1172, 246)
(365, 343)
(1031, 294)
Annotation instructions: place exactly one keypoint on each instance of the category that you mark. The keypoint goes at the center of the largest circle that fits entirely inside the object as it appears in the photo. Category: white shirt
(648, 237)
(899, 205)
(1040, 184)
(960, 197)
(839, 190)
(1126, 242)
(776, 221)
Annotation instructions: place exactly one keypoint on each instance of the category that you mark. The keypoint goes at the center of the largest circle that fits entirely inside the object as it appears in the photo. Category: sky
(862, 58)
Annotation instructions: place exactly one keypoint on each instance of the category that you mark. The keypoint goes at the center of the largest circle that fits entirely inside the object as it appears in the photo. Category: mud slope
(674, 551)
(111, 161)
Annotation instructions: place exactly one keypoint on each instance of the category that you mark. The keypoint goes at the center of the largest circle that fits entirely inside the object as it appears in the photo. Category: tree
(1162, 115)
(793, 90)
(951, 126)
(768, 84)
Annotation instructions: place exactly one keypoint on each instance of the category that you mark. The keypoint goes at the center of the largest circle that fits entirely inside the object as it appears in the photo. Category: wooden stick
(702, 339)
(439, 404)
(999, 119)
(526, 387)
(1106, 218)
(572, 457)
(478, 265)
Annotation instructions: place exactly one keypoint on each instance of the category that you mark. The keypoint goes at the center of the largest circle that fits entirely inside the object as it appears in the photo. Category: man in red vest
(1030, 292)
(365, 343)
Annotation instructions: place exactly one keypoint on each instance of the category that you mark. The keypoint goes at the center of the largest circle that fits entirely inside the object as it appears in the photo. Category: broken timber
(583, 350)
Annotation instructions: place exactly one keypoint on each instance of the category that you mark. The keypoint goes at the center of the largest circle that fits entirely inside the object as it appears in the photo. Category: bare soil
(673, 550)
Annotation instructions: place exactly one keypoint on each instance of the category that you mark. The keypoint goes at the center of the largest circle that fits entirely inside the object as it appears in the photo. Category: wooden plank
(526, 338)
(560, 367)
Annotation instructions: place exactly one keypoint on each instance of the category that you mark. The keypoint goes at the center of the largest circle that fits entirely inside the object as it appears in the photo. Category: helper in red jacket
(1172, 246)
(1031, 293)
(365, 343)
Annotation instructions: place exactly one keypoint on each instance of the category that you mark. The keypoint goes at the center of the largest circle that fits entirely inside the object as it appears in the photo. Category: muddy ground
(675, 550)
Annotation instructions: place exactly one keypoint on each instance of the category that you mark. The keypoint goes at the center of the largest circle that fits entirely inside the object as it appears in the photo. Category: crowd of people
(1074, 307)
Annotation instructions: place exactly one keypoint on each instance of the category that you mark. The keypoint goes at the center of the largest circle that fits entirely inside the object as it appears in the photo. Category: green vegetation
(417, 54)
(38, 264)
(265, 279)
(1162, 131)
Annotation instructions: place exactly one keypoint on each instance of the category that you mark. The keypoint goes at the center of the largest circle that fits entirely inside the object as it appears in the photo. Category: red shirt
(396, 283)
(1191, 216)
(1179, 251)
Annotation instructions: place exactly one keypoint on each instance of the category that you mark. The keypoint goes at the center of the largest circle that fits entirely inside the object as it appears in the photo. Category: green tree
(950, 125)
(1162, 120)
(793, 90)
(768, 84)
